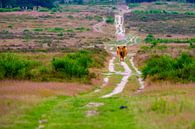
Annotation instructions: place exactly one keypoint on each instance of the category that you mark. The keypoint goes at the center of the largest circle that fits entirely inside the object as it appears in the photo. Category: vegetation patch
(110, 20)
(13, 66)
(153, 41)
(10, 9)
(165, 67)
(133, 5)
(72, 66)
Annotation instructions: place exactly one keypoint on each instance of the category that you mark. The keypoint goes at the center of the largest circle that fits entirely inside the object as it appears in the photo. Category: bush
(10, 9)
(10, 26)
(149, 38)
(38, 29)
(12, 66)
(73, 65)
(110, 20)
(168, 68)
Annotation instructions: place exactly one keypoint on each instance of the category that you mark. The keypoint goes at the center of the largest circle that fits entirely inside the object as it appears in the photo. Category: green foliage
(110, 20)
(70, 17)
(43, 9)
(38, 29)
(133, 5)
(159, 106)
(82, 29)
(12, 66)
(56, 29)
(60, 30)
(73, 65)
(157, 11)
(89, 18)
(10, 26)
(160, 3)
(168, 68)
(10, 9)
(98, 18)
(60, 34)
(149, 38)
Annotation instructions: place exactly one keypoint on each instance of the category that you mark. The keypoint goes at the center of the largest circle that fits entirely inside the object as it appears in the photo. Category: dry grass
(13, 93)
(16, 40)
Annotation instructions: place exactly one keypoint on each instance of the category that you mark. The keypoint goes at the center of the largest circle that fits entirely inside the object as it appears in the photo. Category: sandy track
(126, 74)
(120, 35)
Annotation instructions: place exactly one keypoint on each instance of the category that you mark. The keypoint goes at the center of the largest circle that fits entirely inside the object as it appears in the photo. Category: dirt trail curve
(120, 35)
(98, 27)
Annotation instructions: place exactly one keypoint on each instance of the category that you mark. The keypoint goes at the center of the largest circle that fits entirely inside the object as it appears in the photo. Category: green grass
(142, 112)
(161, 106)
(30, 116)
(117, 65)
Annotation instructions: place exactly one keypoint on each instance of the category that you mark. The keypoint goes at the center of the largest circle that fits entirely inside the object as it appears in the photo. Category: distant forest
(139, 1)
(51, 3)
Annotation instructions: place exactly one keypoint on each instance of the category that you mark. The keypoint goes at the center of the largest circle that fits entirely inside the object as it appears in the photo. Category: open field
(54, 31)
(162, 19)
(57, 66)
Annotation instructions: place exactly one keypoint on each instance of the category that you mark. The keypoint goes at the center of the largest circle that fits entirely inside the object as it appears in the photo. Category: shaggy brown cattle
(122, 52)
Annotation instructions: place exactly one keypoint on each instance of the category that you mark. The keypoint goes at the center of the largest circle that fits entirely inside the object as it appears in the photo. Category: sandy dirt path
(120, 35)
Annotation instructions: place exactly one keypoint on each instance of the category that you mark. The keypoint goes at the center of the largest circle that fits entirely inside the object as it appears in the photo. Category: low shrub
(157, 11)
(133, 5)
(70, 17)
(89, 18)
(10, 9)
(56, 29)
(10, 26)
(13, 66)
(151, 39)
(110, 20)
(98, 18)
(73, 65)
(82, 29)
(38, 29)
(43, 9)
(181, 68)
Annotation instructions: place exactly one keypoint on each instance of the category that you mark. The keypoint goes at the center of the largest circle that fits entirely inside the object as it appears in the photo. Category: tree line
(26, 3)
(139, 1)
(50, 3)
